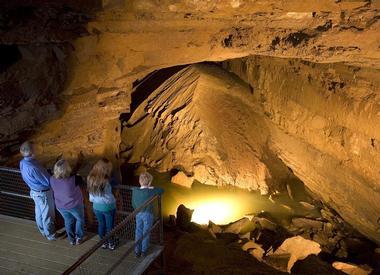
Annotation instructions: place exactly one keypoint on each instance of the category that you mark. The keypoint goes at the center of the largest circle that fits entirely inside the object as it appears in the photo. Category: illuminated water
(224, 205)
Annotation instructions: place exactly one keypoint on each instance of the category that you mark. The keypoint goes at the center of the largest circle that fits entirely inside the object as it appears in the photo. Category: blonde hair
(26, 149)
(99, 176)
(62, 169)
(145, 179)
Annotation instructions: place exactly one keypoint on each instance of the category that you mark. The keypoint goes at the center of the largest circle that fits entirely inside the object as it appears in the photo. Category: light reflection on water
(223, 205)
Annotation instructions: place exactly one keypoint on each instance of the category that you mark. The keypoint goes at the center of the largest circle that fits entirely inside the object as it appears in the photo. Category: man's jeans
(74, 222)
(106, 220)
(45, 212)
(144, 221)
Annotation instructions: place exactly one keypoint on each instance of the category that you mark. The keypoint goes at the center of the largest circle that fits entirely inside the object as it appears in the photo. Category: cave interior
(257, 114)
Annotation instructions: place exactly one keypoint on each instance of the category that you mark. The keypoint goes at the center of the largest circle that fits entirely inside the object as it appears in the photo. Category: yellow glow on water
(219, 212)
(220, 205)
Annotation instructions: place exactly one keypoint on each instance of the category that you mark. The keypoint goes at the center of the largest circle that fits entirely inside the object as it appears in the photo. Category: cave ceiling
(70, 69)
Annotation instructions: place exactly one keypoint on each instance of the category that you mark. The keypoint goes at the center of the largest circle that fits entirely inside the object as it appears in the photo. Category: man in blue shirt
(37, 178)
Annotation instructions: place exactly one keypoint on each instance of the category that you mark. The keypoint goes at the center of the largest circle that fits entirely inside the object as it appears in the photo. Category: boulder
(258, 253)
(268, 238)
(307, 205)
(298, 248)
(181, 179)
(245, 236)
(279, 262)
(307, 223)
(184, 215)
(254, 249)
(264, 223)
(214, 228)
(352, 269)
(239, 226)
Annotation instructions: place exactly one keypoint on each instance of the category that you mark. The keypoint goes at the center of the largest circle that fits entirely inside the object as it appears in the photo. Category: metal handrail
(110, 234)
(128, 215)
(10, 169)
(131, 248)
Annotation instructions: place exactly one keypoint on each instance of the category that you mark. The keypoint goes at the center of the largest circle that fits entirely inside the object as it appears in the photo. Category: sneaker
(78, 241)
(143, 254)
(52, 238)
(111, 246)
(137, 255)
(72, 242)
(105, 245)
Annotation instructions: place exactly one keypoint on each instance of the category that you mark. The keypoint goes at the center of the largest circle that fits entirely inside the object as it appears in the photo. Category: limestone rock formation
(203, 121)
(31, 79)
(321, 115)
(298, 248)
(324, 121)
(351, 269)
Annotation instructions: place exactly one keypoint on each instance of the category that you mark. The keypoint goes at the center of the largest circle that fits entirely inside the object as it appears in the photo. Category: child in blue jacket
(145, 218)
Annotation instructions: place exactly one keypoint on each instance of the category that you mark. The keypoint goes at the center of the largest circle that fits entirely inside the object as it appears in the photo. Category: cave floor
(24, 251)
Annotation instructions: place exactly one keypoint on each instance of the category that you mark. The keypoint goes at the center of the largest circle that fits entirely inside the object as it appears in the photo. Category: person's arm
(158, 190)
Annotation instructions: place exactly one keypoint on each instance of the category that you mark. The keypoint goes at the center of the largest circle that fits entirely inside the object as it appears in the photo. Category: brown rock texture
(324, 127)
(321, 115)
(30, 83)
(203, 121)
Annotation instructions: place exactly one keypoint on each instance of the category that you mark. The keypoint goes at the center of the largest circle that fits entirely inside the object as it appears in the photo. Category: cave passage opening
(220, 204)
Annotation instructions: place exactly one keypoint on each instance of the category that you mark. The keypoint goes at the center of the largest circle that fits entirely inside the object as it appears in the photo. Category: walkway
(24, 251)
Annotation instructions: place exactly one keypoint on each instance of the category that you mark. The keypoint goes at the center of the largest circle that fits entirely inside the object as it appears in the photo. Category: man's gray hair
(145, 179)
(62, 169)
(26, 149)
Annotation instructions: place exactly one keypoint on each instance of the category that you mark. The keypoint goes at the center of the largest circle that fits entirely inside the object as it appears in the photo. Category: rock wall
(324, 126)
(203, 122)
(125, 41)
(30, 84)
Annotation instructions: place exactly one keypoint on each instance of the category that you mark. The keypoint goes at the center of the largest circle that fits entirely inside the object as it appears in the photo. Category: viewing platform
(23, 250)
